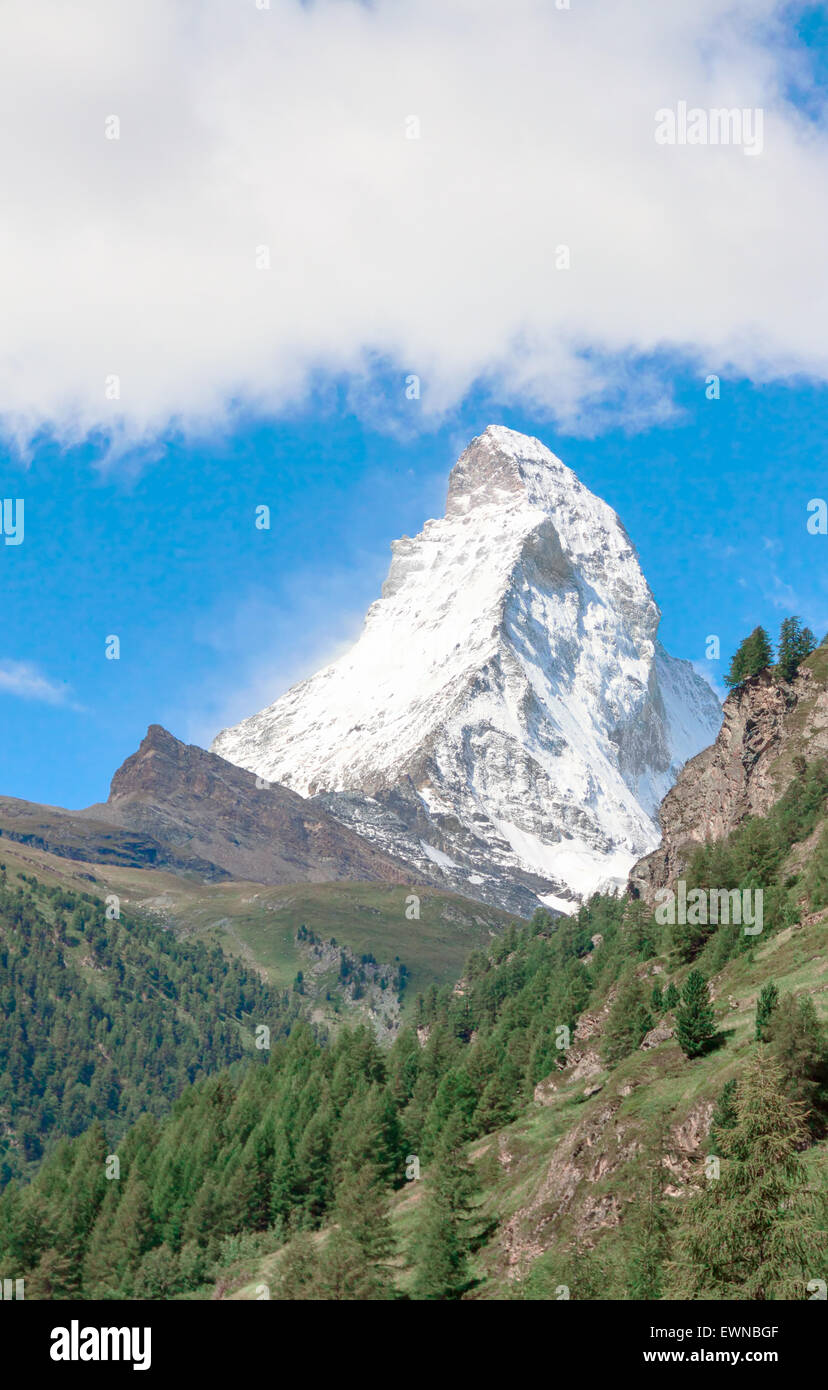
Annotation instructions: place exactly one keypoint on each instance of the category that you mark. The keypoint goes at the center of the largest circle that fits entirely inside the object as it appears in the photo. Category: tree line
(756, 654)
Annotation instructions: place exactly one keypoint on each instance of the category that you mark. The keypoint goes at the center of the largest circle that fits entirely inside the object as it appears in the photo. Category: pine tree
(671, 997)
(724, 1114)
(343, 1275)
(444, 1235)
(297, 1274)
(54, 1277)
(157, 1277)
(695, 1021)
(628, 1021)
(117, 1249)
(754, 1232)
(799, 1046)
(648, 1225)
(248, 1194)
(85, 1193)
(497, 1105)
(738, 664)
(362, 1209)
(313, 1163)
(766, 1004)
(353, 1265)
(795, 643)
(753, 655)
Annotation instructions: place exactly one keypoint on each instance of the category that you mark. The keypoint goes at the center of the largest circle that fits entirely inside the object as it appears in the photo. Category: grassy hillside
(259, 924)
(544, 1129)
(559, 1186)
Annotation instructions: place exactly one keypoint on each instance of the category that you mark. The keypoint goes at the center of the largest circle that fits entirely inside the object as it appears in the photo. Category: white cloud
(23, 679)
(285, 128)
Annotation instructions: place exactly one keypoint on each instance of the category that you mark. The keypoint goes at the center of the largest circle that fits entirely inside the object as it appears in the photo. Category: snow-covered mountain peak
(507, 720)
(501, 463)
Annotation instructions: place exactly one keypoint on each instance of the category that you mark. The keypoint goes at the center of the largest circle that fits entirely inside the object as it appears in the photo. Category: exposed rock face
(185, 797)
(71, 835)
(767, 726)
(661, 1033)
(508, 720)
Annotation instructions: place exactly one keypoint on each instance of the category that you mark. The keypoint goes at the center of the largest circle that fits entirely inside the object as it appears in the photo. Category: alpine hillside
(770, 728)
(508, 721)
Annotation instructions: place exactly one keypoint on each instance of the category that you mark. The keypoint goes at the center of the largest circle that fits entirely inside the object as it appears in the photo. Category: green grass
(604, 1139)
(259, 923)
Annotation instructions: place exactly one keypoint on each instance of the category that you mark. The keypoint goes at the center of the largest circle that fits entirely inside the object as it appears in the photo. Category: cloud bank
(264, 214)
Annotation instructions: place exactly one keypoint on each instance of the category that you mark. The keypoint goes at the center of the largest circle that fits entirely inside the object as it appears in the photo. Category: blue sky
(230, 260)
(216, 617)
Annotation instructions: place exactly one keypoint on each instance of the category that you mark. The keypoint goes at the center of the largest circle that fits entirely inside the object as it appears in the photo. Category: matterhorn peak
(499, 464)
(508, 721)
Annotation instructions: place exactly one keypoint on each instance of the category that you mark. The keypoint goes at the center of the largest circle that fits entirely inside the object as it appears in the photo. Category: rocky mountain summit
(176, 807)
(184, 797)
(769, 727)
(508, 721)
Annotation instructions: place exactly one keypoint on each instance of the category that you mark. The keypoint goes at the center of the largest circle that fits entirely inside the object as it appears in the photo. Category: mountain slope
(508, 720)
(769, 727)
(429, 934)
(187, 798)
(108, 1018)
(575, 1139)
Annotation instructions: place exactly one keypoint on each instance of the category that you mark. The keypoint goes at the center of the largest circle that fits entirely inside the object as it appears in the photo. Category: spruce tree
(724, 1115)
(628, 1021)
(765, 1006)
(353, 1265)
(671, 997)
(445, 1231)
(799, 1046)
(795, 643)
(754, 1232)
(648, 1226)
(498, 1104)
(753, 655)
(361, 1210)
(695, 1022)
(297, 1273)
(131, 1233)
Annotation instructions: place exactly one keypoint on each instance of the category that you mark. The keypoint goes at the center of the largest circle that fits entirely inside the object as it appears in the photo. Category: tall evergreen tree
(629, 1019)
(754, 1232)
(446, 1226)
(648, 1225)
(695, 1021)
(354, 1264)
(753, 655)
(795, 643)
(765, 1006)
(724, 1115)
(799, 1045)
